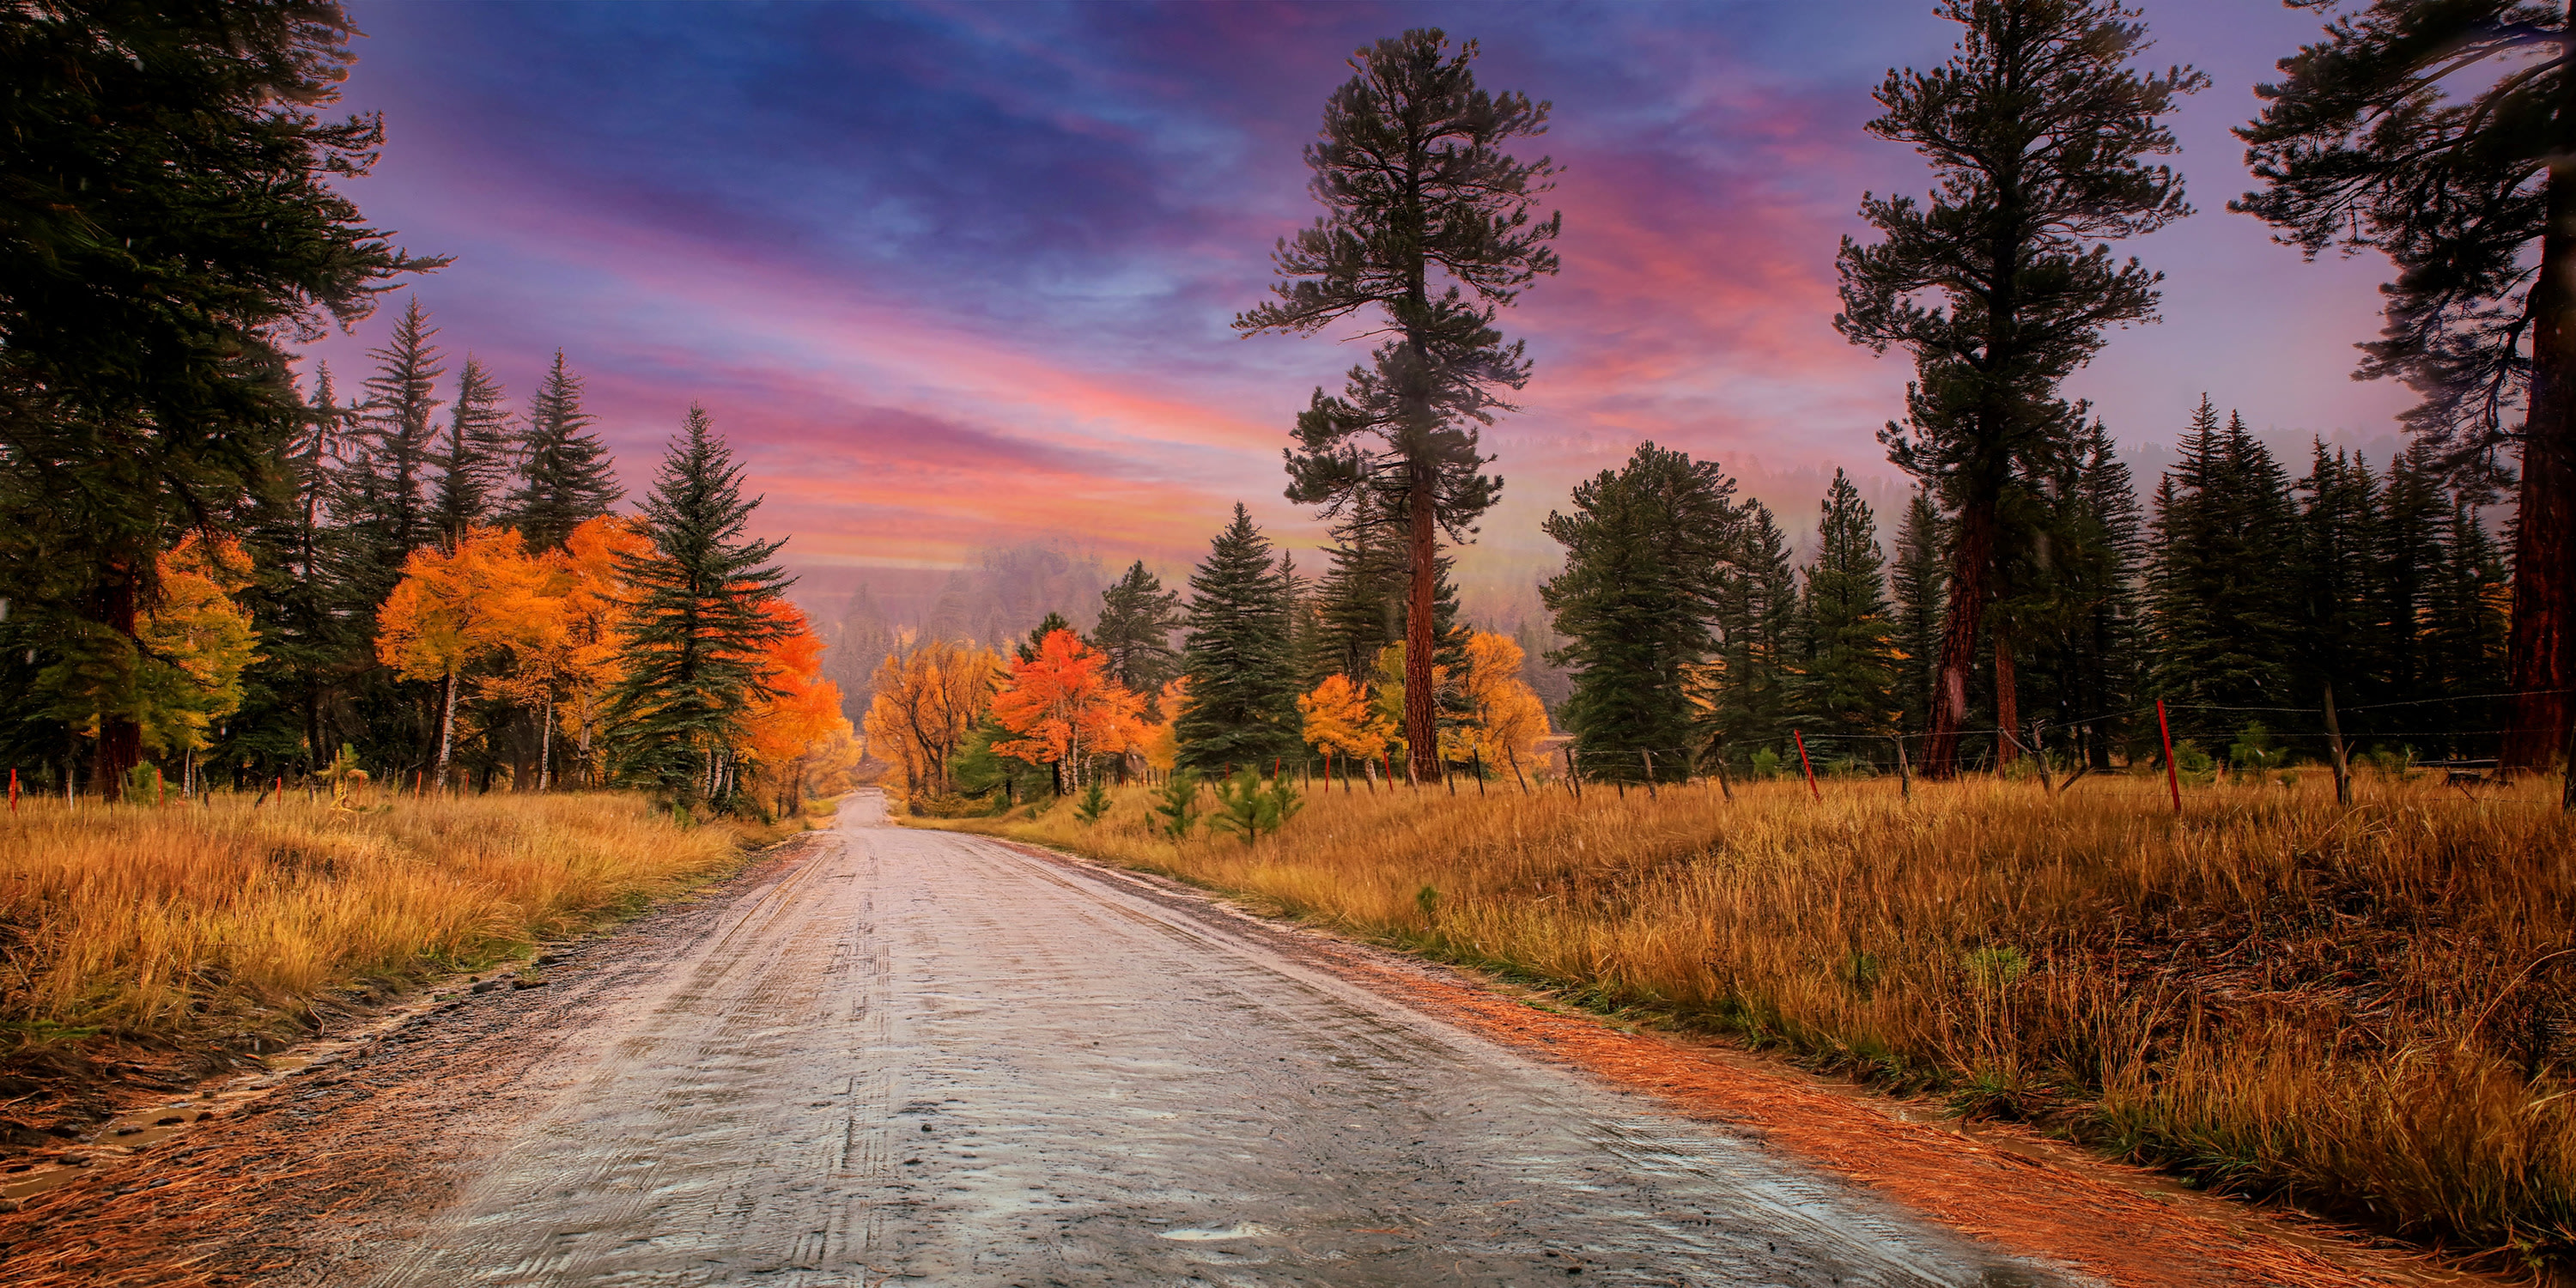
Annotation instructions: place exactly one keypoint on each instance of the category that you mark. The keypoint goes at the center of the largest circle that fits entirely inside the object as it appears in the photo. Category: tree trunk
(446, 730)
(1965, 610)
(546, 747)
(120, 739)
(2544, 555)
(1421, 737)
(2007, 702)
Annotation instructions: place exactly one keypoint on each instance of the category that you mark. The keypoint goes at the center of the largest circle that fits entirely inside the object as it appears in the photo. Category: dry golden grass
(2367, 1009)
(185, 922)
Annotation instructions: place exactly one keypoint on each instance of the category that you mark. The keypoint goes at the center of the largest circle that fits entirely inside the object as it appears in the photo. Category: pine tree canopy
(175, 218)
(2013, 244)
(565, 476)
(402, 449)
(702, 609)
(1646, 549)
(2438, 134)
(1242, 685)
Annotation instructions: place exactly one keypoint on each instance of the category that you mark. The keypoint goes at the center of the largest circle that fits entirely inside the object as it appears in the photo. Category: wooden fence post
(2334, 743)
(1904, 773)
(1649, 758)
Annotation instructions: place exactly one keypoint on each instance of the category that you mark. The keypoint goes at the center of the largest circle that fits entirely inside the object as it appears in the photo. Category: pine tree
(1758, 630)
(474, 459)
(2338, 640)
(701, 612)
(2428, 132)
(401, 453)
(1917, 580)
(1647, 547)
(1847, 680)
(1236, 656)
(2466, 628)
(1047, 625)
(565, 476)
(2013, 240)
(2218, 587)
(2414, 514)
(1417, 190)
(1137, 618)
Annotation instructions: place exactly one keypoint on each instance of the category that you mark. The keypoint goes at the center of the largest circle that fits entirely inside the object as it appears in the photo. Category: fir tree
(1137, 618)
(2012, 240)
(2339, 640)
(2466, 628)
(2218, 587)
(1047, 625)
(474, 458)
(2414, 515)
(1647, 547)
(1758, 630)
(402, 441)
(701, 610)
(1916, 580)
(565, 476)
(1237, 658)
(1847, 680)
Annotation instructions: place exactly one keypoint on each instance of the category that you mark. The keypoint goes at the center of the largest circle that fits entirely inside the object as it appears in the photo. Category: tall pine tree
(701, 601)
(474, 457)
(1137, 618)
(2218, 587)
(1757, 624)
(1916, 579)
(1238, 657)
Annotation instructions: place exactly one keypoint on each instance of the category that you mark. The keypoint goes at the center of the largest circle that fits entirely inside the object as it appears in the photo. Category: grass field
(225, 922)
(2371, 1010)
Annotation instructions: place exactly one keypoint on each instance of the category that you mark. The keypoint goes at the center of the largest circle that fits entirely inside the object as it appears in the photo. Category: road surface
(923, 1057)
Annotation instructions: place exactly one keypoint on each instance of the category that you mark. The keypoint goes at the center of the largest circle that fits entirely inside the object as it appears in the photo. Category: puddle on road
(1247, 1230)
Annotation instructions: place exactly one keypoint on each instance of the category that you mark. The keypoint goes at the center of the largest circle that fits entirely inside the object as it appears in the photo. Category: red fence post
(2173, 781)
(1809, 766)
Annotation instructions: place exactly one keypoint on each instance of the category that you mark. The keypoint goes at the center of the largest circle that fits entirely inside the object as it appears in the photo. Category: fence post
(2334, 743)
(1805, 764)
(1573, 780)
(2173, 780)
(1904, 772)
(1650, 771)
(1477, 754)
(13, 789)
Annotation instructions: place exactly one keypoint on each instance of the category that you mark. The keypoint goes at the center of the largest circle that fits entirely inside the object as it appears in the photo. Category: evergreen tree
(474, 459)
(176, 216)
(2218, 588)
(2414, 515)
(1047, 625)
(1236, 656)
(1137, 618)
(701, 611)
(2013, 240)
(2339, 639)
(565, 476)
(2087, 654)
(1916, 579)
(300, 599)
(402, 449)
(1847, 680)
(1758, 631)
(2428, 132)
(1416, 185)
(2466, 630)
(1647, 548)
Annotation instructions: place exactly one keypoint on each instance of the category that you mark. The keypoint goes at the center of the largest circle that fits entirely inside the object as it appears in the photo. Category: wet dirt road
(924, 1057)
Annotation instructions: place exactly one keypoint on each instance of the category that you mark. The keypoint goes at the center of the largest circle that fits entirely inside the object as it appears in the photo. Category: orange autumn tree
(580, 677)
(784, 732)
(928, 700)
(1342, 720)
(454, 609)
(1064, 708)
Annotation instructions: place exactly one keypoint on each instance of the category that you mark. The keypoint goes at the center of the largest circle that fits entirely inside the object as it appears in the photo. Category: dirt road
(924, 1057)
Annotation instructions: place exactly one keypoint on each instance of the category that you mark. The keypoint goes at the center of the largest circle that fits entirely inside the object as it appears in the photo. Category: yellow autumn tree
(928, 699)
(204, 641)
(1342, 721)
(1505, 719)
(1155, 739)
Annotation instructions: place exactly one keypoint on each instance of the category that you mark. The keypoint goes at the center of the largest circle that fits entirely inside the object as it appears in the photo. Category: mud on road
(896, 1056)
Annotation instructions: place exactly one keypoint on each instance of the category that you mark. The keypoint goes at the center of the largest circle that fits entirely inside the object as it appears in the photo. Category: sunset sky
(958, 275)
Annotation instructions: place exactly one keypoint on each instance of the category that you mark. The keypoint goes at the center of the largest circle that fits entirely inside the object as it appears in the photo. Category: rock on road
(925, 1057)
